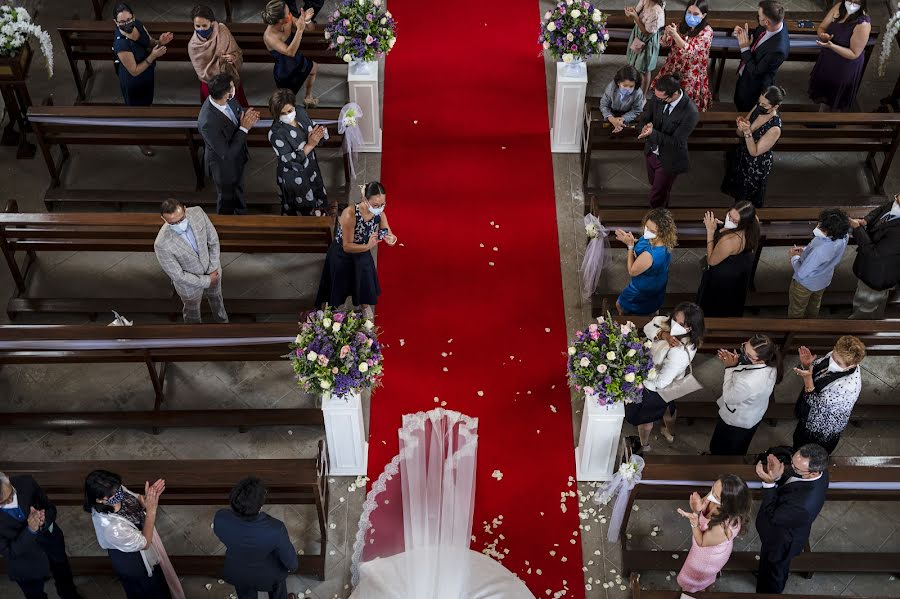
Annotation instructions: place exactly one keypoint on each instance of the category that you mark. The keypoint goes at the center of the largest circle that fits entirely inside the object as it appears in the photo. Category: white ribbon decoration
(596, 257)
(349, 128)
(626, 479)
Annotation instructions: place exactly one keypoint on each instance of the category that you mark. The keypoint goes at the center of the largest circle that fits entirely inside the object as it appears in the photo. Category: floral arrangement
(591, 230)
(349, 118)
(15, 27)
(574, 30)
(361, 30)
(336, 352)
(887, 41)
(610, 362)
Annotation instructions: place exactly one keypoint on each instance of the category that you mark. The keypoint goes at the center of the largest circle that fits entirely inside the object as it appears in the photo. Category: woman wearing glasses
(125, 524)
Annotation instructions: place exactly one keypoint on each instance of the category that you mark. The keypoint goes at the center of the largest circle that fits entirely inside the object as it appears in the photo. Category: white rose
(383, 20)
(570, 37)
(387, 13)
(651, 374)
(648, 344)
(339, 39)
(298, 339)
(363, 367)
(325, 384)
(576, 13)
(630, 353)
(602, 368)
(327, 34)
(547, 15)
(348, 58)
(312, 356)
(391, 42)
(326, 323)
(601, 320)
(585, 362)
(369, 325)
(376, 2)
(361, 2)
(593, 37)
(551, 26)
(568, 2)
(611, 356)
(629, 378)
(596, 16)
(571, 349)
(546, 45)
(336, 327)
(567, 58)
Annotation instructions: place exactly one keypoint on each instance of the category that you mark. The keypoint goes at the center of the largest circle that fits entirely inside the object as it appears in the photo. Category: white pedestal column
(348, 449)
(362, 79)
(598, 443)
(568, 108)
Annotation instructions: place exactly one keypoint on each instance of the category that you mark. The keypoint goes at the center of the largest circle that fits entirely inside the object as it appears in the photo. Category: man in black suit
(877, 262)
(668, 120)
(762, 52)
(258, 550)
(792, 499)
(30, 539)
(224, 126)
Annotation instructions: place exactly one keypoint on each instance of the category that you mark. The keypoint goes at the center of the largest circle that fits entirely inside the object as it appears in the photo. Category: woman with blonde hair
(282, 37)
(648, 263)
(212, 50)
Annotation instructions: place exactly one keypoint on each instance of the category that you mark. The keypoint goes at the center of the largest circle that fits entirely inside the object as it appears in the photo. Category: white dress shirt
(766, 36)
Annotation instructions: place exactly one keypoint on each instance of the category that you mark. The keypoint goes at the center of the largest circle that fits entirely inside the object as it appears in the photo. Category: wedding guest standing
(668, 121)
(689, 42)
(643, 45)
(877, 263)
(294, 137)
(31, 541)
(675, 343)
(843, 35)
(125, 524)
(349, 265)
(730, 253)
(715, 522)
(314, 5)
(762, 52)
(814, 264)
(648, 263)
(831, 386)
(212, 50)
(792, 499)
(282, 38)
(750, 378)
(623, 98)
(748, 165)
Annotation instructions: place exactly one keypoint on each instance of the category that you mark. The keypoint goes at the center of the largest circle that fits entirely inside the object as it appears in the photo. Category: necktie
(230, 114)
(667, 110)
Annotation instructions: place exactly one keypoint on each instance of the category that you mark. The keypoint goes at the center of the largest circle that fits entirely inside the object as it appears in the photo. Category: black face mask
(128, 27)
(744, 360)
(762, 110)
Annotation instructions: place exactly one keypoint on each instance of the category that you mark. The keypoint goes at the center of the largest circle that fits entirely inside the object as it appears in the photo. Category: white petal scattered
(208, 586)
(674, 556)
(443, 403)
(497, 474)
(490, 263)
(547, 330)
(445, 369)
(553, 409)
(415, 122)
(402, 342)
(496, 249)
(290, 432)
(481, 245)
(480, 393)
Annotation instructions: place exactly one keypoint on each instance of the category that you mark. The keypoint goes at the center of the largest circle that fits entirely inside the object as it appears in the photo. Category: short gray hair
(3, 478)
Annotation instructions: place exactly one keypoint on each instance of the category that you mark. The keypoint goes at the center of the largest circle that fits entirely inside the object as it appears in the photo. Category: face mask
(692, 20)
(204, 33)
(181, 227)
(713, 499)
(817, 232)
(117, 498)
(376, 211)
(676, 330)
(762, 110)
(744, 359)
(834, 366)
(648, 234)
(851, 7)
(626, 91)
(288, 118)
(729, 224)
(128, 27)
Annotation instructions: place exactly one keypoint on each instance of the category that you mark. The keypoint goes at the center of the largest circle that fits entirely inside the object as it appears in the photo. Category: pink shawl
(166, 566)
(206, 54)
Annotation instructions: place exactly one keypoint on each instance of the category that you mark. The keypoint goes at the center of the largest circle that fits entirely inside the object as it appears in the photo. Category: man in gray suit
(187, 248)
(224, 126)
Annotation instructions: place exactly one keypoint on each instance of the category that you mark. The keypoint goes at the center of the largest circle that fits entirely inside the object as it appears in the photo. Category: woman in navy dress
(648, 264)
(136, 55)
(843, 35)
(282, 37)
(349, 265)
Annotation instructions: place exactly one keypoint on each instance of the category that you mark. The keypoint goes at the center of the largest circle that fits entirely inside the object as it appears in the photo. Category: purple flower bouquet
(573, 30)
(361, 30)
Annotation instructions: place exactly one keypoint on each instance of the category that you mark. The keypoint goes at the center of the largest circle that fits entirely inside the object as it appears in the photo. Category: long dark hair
(693, 320)
(97, 485)
(736, 503)
(768, 352)
(842, 10)
(683, 28)
(122, 7)
(748, 225)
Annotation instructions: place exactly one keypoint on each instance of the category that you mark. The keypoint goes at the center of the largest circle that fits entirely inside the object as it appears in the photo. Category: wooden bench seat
(691, 410)
(596, 199)
(638, 593)
(58, 197)
(193, 482)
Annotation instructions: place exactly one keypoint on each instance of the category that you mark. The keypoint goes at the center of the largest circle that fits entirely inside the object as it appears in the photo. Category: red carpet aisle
(472, 305)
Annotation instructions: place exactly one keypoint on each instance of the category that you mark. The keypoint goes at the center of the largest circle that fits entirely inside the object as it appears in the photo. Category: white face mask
(288, 118)
(181, 227)
(818, 233)
(713, 499)
(648, 234)
(729, 224)
(676, 330)
(851, 7)
(834, 366)
(376, 211)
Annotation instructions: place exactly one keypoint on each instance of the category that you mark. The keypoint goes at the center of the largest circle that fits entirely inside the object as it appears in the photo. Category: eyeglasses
(126, 23)
(799, 471)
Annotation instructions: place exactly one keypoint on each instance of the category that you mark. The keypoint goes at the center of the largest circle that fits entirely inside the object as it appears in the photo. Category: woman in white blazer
(676, 341)
(750, 377)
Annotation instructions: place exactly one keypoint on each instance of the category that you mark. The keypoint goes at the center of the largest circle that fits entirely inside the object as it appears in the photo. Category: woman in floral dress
(689, 44)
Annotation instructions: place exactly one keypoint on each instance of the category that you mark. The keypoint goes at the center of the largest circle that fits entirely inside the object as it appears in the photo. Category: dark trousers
(230, 198)
(772, 575)
(661, 182)
(803, 437)
(730, 440)
(146, 587)
(279, 591)
(54, 545)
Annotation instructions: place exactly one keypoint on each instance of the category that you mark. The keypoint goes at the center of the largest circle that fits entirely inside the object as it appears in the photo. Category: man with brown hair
(762, 52)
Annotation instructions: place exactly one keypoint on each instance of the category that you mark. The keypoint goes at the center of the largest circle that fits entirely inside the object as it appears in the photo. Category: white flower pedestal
(348, 448)
(568, 108)
(598, 443)
(362, 79)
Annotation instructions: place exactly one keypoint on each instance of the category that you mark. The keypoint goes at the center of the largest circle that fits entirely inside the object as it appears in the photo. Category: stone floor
(845, 526)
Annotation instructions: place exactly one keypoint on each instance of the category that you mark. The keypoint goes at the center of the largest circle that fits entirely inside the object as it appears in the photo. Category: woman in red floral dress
(688, 44)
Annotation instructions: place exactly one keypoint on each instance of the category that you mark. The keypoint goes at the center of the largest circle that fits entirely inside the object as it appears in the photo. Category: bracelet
(630, 248)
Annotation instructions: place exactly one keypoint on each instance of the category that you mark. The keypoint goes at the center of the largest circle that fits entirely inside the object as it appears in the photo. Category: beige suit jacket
(189, 270)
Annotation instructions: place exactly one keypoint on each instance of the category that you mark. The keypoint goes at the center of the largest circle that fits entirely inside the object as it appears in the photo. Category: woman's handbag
(681, 386)
(637, 46)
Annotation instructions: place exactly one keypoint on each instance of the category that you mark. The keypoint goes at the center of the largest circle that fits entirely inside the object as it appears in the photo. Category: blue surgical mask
(204, 33)
(692, 20)
(181, 227)
(626, 91)
(376, 211)
(116, 498)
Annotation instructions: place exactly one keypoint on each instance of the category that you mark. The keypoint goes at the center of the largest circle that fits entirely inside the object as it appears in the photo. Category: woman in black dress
(349, 265)
(282, 37)
(294, 138)
(748, 165)
(730, 253)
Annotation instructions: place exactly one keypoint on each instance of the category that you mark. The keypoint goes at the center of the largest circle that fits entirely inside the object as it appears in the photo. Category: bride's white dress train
(413, 537)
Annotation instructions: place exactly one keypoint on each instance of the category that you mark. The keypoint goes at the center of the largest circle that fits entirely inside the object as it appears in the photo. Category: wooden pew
(193, 482)
(155, 346)
(124, 126)
(872, 133)
(85, 41)
(99, 5)
(853, 473)
(597, 199)
(638, 593)
(30, 233)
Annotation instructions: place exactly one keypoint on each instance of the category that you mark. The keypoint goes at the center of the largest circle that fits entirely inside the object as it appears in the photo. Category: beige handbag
(681, 386)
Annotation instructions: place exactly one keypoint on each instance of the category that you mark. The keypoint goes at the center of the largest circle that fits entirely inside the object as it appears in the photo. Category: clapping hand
(150, 499)
(631, 12)
(672, 30)
(166, 38)
(35, 519)
(773, 470)
(797, 250)
(742, 35)
(825, 37)
(806, 357)
(827, 44)
(229, 58)
(249, 118)
(806, 375)
(729, 358)
(625, 237)
(710, 222)
(691, 516)
(316, 135)
(697, 503)
(646, 131)
(617, 122)
(157, 52)
(857, 222)
(743, 125)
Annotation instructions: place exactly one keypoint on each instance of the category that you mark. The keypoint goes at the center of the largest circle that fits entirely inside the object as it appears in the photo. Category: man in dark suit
(877, 262)
(792, 499)
(30, 539)
(258, 550)
(762, 52)
(224, 126)
(668, 120)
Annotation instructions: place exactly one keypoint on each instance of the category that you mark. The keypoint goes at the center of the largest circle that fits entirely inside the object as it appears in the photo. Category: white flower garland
(15, 27)
(887, 41)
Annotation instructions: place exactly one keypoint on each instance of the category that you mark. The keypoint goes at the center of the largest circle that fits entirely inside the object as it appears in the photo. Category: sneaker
(665, 433)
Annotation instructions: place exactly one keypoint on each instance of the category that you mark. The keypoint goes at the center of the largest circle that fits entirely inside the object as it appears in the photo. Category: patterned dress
(653, 17)
(745, 175)
(823, 414)
(692, 62)
(351, 274)
(704, 563)
(300, 185)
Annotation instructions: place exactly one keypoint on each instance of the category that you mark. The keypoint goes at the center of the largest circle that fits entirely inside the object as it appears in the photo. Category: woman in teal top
(648, 264)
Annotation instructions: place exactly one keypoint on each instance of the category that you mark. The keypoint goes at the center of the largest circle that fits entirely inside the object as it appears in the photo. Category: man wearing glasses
(792, 499)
